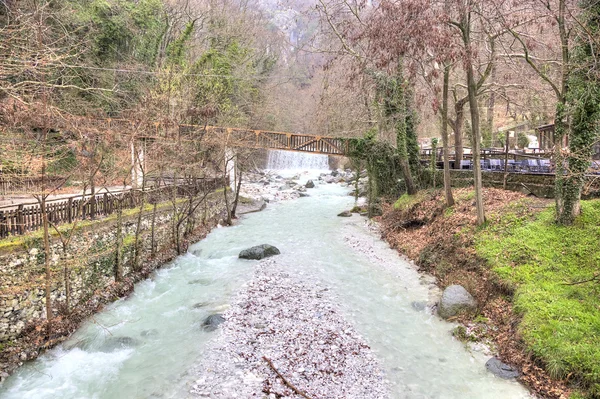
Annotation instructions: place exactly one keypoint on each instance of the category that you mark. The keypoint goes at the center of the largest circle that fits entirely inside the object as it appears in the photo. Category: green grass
(406, 201)
(540, 260)
(466, 196)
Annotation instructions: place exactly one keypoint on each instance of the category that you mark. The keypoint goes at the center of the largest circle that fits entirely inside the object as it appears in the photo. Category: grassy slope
(540, 260)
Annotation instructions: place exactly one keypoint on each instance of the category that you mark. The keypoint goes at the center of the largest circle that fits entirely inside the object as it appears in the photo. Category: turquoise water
(143, 346)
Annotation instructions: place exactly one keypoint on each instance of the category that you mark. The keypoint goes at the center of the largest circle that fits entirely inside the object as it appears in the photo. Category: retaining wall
(89, 262)
(540, 185)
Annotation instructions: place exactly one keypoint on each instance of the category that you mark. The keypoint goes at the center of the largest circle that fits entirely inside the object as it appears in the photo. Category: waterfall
(291, 160)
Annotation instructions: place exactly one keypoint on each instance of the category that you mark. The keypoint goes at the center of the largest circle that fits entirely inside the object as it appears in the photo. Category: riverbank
(520, 267)
(85, 259)
(303, 323)
(334, 272)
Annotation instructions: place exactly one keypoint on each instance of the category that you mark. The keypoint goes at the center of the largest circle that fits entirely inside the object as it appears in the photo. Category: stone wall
(540, 185)
(88, 263)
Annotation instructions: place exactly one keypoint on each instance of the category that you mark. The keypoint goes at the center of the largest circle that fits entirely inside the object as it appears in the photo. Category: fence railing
(23, 218)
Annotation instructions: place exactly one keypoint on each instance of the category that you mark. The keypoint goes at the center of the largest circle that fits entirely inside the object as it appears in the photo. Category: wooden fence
(24, 218)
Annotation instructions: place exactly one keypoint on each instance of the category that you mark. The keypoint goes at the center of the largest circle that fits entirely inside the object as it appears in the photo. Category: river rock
(310, 184)
(456, 300)
(197, 252)
(419, 306)
(259, 252)
(502, 370)
(345, 214)
(201, 281)
(376, 210)
(114, 343)
(212, 322)
(252, 207)
(153, 332)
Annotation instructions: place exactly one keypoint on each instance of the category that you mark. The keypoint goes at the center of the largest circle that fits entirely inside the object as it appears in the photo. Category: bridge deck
(269, 139)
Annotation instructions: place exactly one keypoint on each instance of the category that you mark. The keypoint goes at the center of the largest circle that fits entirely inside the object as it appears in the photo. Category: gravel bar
(284, 337)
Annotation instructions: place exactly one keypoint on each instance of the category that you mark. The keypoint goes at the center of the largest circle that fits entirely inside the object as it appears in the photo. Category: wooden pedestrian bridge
(232, 137)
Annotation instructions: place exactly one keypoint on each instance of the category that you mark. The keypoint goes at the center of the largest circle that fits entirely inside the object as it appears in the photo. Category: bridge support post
(138, 160)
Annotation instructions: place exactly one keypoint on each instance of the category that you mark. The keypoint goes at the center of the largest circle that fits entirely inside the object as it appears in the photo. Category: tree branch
(289, 384)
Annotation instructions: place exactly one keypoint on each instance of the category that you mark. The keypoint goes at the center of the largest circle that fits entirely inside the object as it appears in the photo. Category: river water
(143, 346)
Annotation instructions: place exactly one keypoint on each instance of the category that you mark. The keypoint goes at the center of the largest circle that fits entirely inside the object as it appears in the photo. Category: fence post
(20, 220)
(93, 206)
(70, 210)
(3, 226)
(105, 200)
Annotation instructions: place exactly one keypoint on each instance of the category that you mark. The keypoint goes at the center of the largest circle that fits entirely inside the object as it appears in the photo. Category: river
(144, 346)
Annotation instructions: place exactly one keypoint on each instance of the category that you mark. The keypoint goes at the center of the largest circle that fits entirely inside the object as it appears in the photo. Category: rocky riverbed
(284, 337)
(269, 186)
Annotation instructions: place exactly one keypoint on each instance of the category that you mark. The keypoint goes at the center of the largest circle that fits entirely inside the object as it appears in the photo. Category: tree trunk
(237, 194)
(92, 199)
(356, 181)
(47, 267)
(566, 205)
(490, 109)
(118, 270)
(583, 100)
(506, 160)
(138, 243)
(67, 280)
(153, 240)
(401, 126)
(446, 148)
(227, 205)
(189, 222)
(474, 110)
(458, 137)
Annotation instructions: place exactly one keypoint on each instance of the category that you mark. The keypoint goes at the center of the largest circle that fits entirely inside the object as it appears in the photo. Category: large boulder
(212, 322)
(345, 214)
(502, 370)
(456, 300)
(259, 252)
(310, 184)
